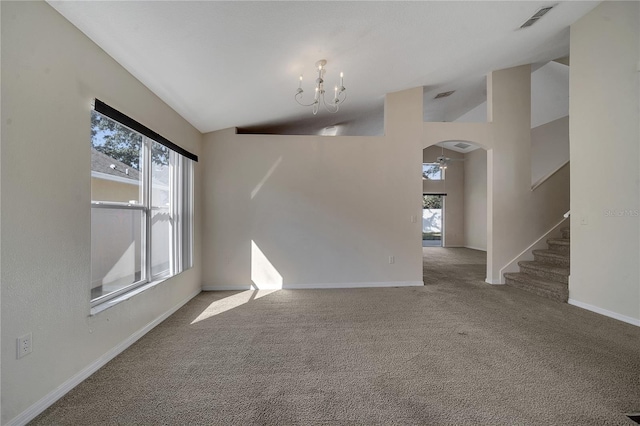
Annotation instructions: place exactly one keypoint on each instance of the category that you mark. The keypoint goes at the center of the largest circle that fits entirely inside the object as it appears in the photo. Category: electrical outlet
(414, 218)
(23, 345)
(392, 260)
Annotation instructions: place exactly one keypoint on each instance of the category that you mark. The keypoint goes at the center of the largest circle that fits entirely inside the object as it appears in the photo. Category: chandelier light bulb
(339, 92)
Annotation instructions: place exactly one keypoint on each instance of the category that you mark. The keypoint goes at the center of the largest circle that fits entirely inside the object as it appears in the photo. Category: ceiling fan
(444, 161)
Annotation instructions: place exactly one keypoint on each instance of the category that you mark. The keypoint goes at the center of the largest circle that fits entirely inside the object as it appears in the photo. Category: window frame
(442, 171)
(143, 279)
(181, 214)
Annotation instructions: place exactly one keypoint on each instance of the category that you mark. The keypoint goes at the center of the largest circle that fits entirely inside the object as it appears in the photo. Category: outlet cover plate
(23, 345)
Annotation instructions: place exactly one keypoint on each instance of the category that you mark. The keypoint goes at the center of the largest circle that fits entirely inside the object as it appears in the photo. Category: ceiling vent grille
(462, 145)
(536, 16)
(444, 94)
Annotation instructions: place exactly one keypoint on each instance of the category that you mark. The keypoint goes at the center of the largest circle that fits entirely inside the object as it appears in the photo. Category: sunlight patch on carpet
(228, 303)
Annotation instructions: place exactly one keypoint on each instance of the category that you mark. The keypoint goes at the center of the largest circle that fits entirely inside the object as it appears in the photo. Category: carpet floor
(456, 351)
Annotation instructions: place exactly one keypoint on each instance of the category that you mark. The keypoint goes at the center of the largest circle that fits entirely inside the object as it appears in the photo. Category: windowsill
(112, 302)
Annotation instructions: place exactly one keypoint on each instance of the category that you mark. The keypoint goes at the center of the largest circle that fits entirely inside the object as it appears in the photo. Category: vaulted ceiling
(236, 64)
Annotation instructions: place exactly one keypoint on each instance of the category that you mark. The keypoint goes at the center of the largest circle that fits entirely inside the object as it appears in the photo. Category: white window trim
(96, 309)
(179, 189)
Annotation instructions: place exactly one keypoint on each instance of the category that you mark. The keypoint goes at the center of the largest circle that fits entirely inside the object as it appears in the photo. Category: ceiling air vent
(539, 14)
(444, 94)
(462, 145)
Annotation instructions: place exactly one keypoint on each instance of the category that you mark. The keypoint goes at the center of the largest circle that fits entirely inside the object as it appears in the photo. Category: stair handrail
(567, 214)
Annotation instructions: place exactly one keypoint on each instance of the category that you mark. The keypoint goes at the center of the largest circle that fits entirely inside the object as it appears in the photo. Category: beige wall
(312, 211)
(475, 199)
(453, 186)
(549, 148)
(50, 73)
(605, 161)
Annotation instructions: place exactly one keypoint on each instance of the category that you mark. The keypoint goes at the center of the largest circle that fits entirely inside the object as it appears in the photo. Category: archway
(462, 185)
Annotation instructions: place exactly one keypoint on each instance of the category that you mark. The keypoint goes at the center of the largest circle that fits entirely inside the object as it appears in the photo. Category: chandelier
(339, 92)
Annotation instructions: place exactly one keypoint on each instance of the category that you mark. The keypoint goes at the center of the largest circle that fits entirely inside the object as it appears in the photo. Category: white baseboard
(605, 312)
(227, 288)
(317, 286)
(494, 282)
(476, 248)
(30, 413)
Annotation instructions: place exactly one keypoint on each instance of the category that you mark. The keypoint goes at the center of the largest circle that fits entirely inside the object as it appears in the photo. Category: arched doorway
(455, 204)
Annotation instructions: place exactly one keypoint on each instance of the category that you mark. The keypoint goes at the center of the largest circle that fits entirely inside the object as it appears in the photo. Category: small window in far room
(141, 206)
(431, 171)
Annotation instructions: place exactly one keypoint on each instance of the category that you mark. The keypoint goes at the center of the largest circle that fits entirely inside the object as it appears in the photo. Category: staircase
(548, 274)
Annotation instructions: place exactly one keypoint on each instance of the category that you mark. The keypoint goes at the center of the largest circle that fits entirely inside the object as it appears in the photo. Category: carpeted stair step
(549, 289)
(551, 257)
(560, 245)
(566, 233)
(545, 271)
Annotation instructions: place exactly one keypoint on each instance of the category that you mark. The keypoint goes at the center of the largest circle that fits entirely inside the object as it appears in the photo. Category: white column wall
(519, 216)
(605, 163)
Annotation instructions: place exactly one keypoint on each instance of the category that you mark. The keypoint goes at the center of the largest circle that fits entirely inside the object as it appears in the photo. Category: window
(432, 220)
(141, 205)
(432, 171)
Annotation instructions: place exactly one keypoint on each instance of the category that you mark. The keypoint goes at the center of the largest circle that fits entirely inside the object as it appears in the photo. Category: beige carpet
(456, 351)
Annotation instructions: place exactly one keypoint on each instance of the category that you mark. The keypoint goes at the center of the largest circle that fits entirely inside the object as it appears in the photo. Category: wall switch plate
(23, 345)
(414, 219)
(392, 260)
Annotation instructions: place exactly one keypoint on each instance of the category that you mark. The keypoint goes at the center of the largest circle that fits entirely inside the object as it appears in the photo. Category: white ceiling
(226, 64)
